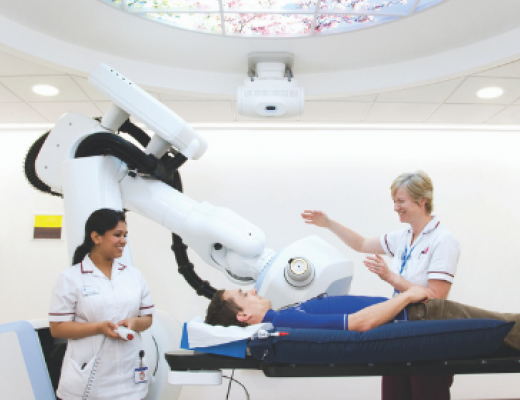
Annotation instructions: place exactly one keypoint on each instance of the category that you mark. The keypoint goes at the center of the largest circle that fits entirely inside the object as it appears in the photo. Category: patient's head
(237, 307)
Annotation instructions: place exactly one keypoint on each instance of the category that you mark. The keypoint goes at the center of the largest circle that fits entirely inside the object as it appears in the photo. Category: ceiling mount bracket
(270, 56)
(288, 73)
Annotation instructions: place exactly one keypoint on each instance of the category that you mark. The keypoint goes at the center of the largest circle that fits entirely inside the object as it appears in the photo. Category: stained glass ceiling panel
(210, 23)
(330, 23)
(273, 18)
(268, 24)
(373, 7)
(264, 5)
(167, 5)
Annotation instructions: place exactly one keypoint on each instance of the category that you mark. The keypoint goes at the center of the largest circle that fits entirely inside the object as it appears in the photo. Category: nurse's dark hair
(100, 221)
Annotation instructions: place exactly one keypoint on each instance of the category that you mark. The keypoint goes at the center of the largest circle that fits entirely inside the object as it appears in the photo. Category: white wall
(269, 177)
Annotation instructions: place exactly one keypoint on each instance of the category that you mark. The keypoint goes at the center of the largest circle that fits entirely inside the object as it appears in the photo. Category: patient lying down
(356, 313)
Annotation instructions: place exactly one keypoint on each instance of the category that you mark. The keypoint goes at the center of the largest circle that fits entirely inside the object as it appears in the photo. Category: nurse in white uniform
(89, 301)
(425, 254)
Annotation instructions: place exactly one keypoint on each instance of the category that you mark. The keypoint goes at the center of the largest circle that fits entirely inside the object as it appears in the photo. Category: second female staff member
(89, 301)
(425, 254)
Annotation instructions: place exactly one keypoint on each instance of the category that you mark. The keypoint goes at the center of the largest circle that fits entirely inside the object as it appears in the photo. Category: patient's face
(249, 301)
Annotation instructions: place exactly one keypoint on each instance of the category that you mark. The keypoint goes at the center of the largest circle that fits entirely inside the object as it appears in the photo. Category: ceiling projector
(270, 90)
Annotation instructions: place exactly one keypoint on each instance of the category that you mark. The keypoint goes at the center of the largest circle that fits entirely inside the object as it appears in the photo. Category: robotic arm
(129, 99)
(219, 236)
(93, 168)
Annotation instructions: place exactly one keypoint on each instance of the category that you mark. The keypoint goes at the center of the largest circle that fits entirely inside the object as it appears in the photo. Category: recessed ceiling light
(45, 90)
(490, 92)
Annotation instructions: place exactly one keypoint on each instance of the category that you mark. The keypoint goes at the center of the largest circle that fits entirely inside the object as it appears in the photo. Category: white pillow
(201, 334)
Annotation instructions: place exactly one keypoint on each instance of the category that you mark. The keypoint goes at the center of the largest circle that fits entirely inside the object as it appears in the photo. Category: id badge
(90, 290)
(141, 375)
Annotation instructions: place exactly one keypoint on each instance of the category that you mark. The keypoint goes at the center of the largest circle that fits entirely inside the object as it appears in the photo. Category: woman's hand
(130, 323)
(79, 330)
(377, 265)
(107, 328)
(318, 218)
(137, 324)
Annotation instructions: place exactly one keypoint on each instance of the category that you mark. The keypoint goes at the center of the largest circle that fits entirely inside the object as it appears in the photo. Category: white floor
(465, 387)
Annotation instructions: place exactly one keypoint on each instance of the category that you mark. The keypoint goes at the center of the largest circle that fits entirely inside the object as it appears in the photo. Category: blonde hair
(418, 185)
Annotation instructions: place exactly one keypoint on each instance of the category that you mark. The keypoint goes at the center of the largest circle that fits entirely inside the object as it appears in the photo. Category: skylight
(272, 18)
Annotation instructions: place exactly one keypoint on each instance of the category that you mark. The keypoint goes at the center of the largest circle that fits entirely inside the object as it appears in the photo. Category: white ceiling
(452, 101)
(93, 30)
(94, 25)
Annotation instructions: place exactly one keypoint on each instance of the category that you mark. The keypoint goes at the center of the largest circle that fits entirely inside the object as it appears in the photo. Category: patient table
(504, 360)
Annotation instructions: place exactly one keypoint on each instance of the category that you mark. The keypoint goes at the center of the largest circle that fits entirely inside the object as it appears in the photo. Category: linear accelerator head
(303, 270)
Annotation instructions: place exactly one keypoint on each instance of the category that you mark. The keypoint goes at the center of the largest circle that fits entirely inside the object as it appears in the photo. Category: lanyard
(405, 257)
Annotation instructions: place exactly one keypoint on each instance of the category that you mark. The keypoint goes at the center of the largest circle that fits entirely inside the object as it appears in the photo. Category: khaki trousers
(445, 309)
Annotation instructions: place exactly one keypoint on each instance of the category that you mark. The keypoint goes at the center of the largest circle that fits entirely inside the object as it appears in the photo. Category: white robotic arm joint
(130, 99)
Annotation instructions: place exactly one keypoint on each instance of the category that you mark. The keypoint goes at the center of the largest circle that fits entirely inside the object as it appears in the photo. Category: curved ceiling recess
(453, 39)
(272, 18)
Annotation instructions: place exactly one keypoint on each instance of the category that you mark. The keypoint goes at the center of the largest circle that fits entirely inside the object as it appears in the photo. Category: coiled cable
(93, 371)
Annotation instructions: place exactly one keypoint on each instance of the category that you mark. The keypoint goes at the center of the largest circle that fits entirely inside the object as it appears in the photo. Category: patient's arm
(379, 314)
(311, 321)
(363, 320)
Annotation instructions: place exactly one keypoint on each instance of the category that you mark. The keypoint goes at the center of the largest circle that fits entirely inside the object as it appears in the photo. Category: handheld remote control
(125, 333)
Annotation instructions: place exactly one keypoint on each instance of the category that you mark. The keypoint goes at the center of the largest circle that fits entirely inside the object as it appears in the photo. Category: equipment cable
(234, 380)
(93, 371)
(30, 166)
(165, 169)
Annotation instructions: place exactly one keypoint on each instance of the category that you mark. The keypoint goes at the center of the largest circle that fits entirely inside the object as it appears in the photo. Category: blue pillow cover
(236, 349)
(393, 342)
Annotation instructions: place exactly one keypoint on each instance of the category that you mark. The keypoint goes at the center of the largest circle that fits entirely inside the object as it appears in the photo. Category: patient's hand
(417, 294)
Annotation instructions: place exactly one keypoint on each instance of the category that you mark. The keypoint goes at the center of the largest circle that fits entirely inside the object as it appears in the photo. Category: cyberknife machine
(91, 166)
(136, 182)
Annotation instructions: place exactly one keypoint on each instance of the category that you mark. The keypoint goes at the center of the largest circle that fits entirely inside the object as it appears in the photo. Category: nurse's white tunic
(434, 254)
(84, 294)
